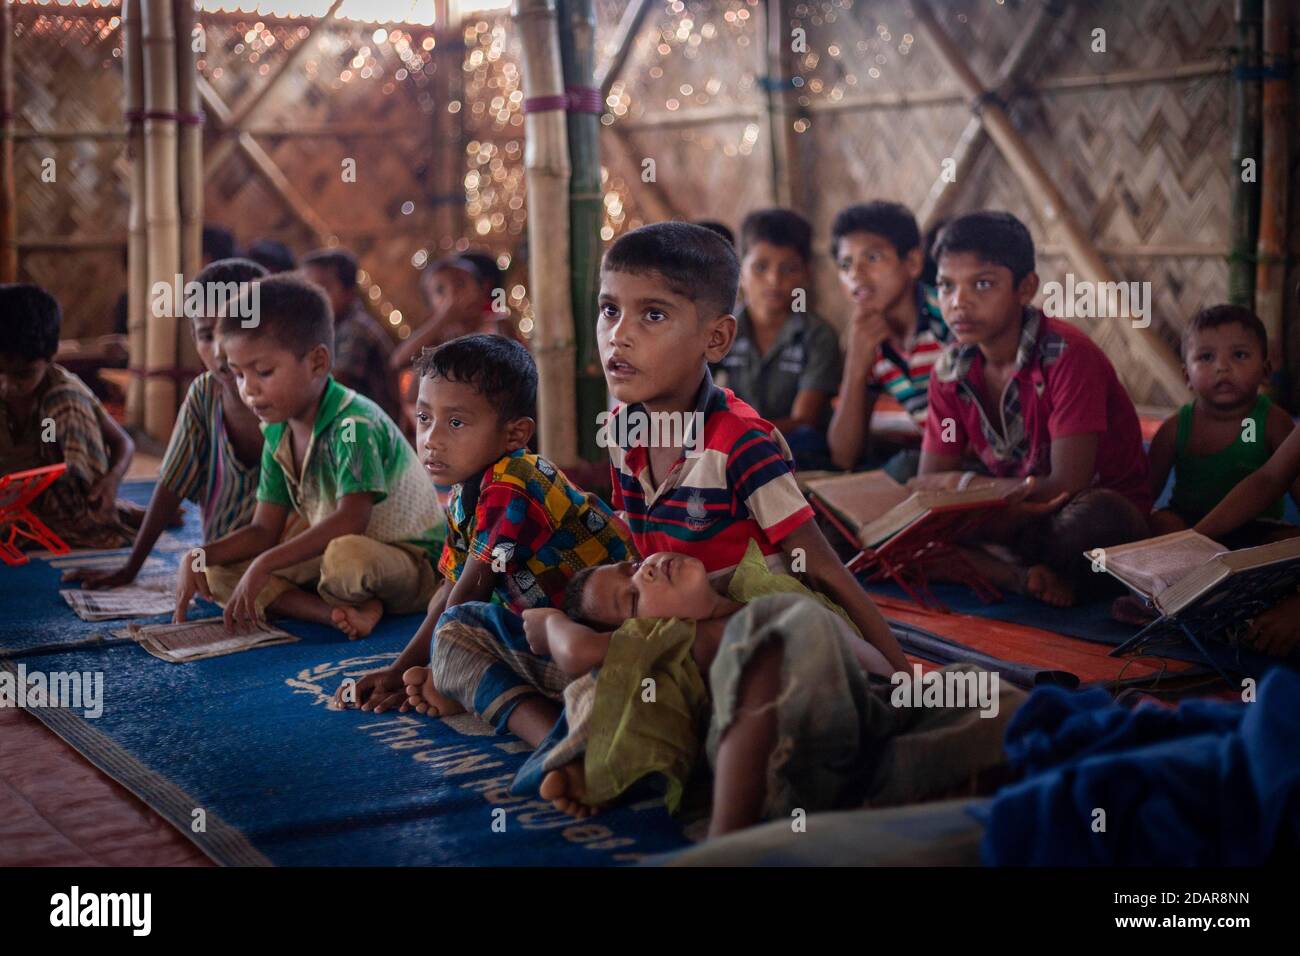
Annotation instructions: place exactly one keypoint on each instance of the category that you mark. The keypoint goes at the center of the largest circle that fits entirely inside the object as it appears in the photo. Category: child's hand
(92, 579)
(102, 496)
(867, 330)
(241, 612)
(377, 691)
(537, 622)
(188, 583)
(1277, 631)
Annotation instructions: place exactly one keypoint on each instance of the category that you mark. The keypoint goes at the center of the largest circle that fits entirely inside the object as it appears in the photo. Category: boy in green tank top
(1227, 432)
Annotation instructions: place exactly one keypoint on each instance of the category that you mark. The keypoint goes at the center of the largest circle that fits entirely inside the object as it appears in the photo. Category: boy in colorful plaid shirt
(518, 531)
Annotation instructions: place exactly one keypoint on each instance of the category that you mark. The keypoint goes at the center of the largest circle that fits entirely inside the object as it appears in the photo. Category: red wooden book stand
(17, 491)
(903, 558)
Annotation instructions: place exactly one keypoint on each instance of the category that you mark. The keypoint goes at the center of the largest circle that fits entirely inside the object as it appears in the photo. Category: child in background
(47, 416)
(1028, 395)
(895, 332)
(518, 530)
(335, 459)
(1227, 433)
(785, 362)
(215, 449)
(361, 347)
(665, 299)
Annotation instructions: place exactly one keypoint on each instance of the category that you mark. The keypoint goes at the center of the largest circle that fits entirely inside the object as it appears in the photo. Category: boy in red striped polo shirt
(695, 470)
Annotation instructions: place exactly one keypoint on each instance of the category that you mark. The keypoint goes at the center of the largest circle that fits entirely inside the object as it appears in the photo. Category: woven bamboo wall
(1145, 166)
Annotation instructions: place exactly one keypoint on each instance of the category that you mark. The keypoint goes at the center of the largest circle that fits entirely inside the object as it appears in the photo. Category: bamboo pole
(190, 163)
(586, 210)
(1146, 343)
(250, 104)
(546, 165)
(971, 142)
(1270, 276)
(628, 29)
(8, 182)
(785, 185)
(1245, 149)
(137, 253)
(162, 214)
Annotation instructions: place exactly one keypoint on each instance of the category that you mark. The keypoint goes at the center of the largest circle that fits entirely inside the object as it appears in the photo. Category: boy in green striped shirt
(331, 456)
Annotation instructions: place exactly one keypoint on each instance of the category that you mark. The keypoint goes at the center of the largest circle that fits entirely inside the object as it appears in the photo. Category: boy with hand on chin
(667, 291)
(337, 460)
(518, 530)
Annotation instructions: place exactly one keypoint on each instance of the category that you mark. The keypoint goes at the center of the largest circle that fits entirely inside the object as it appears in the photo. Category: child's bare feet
(424, 697)
(1048, 586)
(565, 787)
(358, 621)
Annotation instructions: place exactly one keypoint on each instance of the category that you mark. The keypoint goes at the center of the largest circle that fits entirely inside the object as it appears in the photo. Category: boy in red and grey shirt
(1030, 396)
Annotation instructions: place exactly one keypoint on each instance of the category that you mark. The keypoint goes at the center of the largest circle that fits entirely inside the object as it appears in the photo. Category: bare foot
(424, 697)
(1048, 586)
(565, 788)
(358, 621)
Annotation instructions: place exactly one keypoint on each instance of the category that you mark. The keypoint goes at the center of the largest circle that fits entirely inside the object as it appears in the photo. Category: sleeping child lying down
(770, 677)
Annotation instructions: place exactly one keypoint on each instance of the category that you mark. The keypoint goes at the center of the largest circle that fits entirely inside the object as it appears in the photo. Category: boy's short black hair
(340, 263)
(498, 368)
(697, 263)
(1217, 315)
(1094, 518)
(224, 272)
(890, 220)
(996, 237)
(779, 227)
(30, 319)
(218, 243)
(573, 592)
(720, 228)
(273, 255)
(293, 311)
(485, 264)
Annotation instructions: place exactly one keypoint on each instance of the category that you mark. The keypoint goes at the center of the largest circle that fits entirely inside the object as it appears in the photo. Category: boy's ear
(319, 360)
(1028, 288)
(518, 432)
(722, 333)
(914, 263)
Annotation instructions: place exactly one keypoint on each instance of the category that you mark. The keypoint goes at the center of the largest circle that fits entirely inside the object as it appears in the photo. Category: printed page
(195, 640)
(1154, 565)
(144, 597)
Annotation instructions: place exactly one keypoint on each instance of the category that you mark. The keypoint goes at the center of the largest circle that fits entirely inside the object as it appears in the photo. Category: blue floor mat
(281, 779)
(32, 615)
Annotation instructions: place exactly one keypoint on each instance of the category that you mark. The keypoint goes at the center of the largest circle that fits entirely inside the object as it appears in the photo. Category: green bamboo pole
(1245, 146)
(577, 20)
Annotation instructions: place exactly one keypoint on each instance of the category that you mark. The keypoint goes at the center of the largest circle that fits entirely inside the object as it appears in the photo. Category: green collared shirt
(355, 448)
(805, 356)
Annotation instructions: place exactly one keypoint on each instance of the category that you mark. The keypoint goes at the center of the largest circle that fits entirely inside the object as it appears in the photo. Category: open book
(877, 508)
(145, 596)
(1178, 571)
(196, 640)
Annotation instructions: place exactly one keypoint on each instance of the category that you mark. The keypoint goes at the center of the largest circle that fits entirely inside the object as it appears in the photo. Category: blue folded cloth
(1210, 783)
